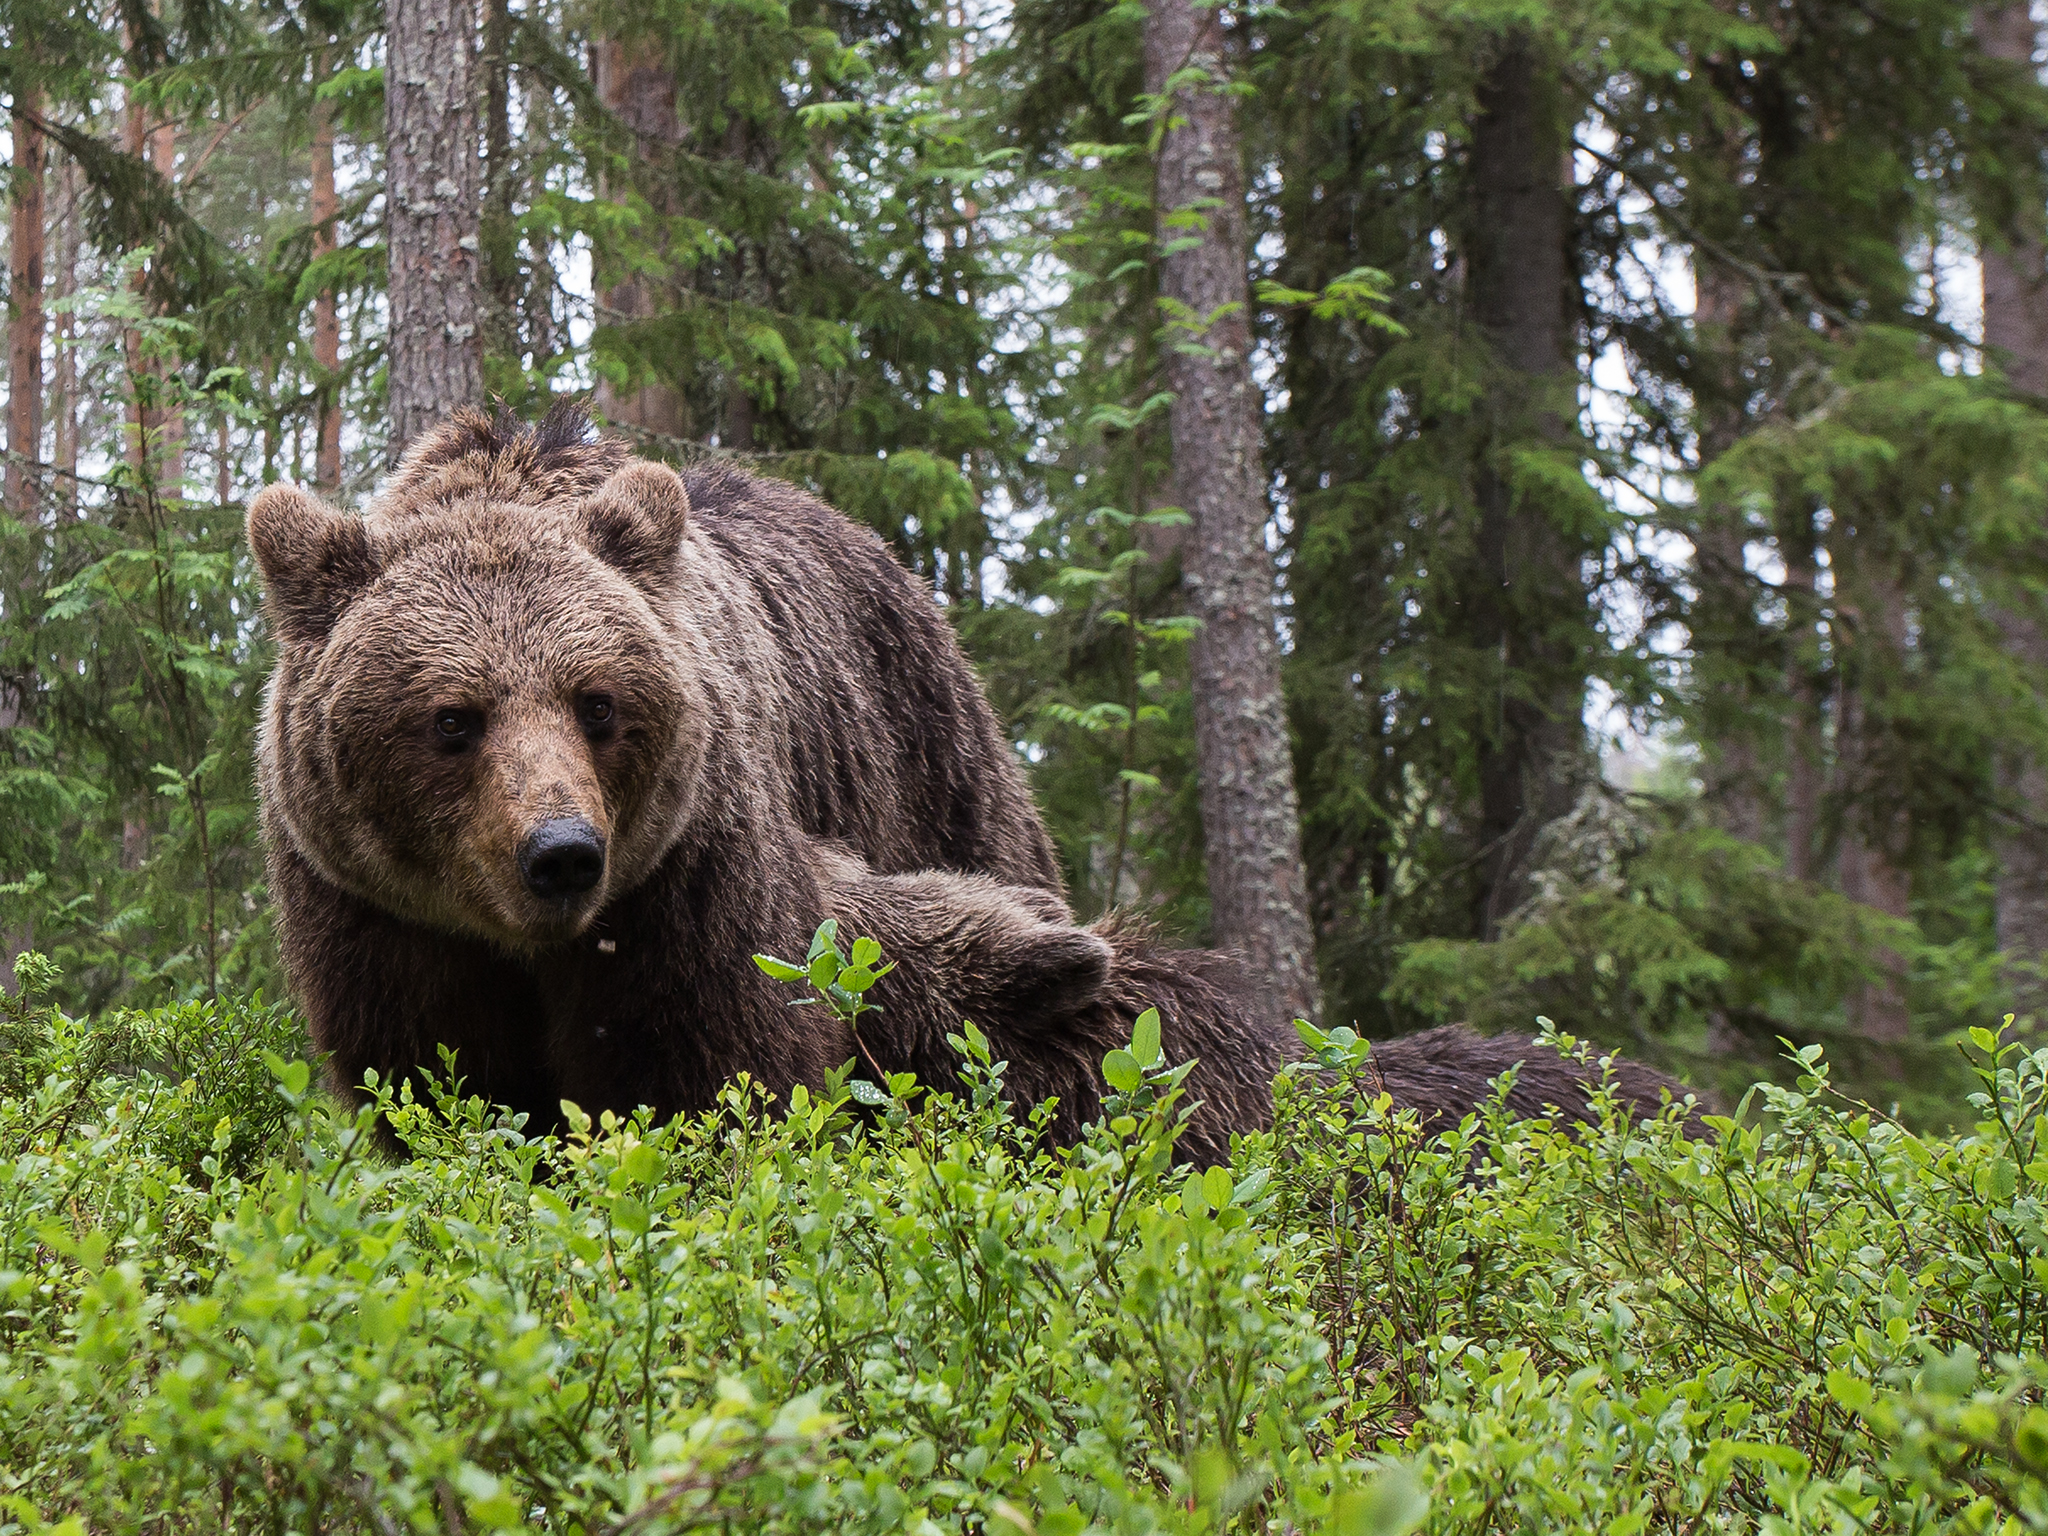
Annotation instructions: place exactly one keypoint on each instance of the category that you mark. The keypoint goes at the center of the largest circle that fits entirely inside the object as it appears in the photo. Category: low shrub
(223, 1308)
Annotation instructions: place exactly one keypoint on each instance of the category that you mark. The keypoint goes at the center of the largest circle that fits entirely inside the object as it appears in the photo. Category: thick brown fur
(1446, 1072)
(775, 676)
(1053, 999)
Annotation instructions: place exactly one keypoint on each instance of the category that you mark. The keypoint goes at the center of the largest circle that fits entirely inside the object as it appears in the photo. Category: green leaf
(1391, 1504)
(1217, 1188)
(1080, 576)
(866, 952)
(643, 1164)
(826, 939)
(781, 970)
(1271, 292)
(1145, 1038)
(292, 1076)
(2005, 1179)
(1121, 1071)
(2030, 1439)
(1852, 1392)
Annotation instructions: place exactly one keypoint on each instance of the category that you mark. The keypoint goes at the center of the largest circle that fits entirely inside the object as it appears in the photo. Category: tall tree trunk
(499, 277)
(1534, 759)
(753, 154)
(25, 320)
(636, 85)
(155, 430)
(1875, 830)
(2016, 334)
(24, 482)
(1250, 817)
(1725, 608)
(64, 387)
(169, 425)
(326, 320)
(1805, 771)
(434, 204)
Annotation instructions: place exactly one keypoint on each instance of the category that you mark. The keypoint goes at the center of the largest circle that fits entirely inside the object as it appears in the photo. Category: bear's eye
(457, 729)
(595, 711)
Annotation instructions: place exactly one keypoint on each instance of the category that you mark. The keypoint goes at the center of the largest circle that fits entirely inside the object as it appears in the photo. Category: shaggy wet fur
(769, 674)
(1053, 999)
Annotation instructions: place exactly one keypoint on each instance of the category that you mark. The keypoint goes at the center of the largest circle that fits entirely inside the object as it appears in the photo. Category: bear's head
(487, 716)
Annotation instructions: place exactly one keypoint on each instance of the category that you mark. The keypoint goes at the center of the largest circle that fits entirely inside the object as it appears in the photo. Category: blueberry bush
(225, 1305)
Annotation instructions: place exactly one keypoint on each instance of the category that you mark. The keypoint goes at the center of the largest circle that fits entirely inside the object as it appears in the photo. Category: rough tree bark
(635, 84)
(24, 485)
(25, 320)
(64, 389)
(434, 202)
(326, 319)
(1250, 817)
(1725, 607)
(24, 352)
(2016, 333)
(1533, 761)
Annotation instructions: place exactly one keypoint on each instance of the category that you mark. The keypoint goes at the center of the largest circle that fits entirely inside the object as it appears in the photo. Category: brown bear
(1053, 999)
(548, 733)
(556, 742)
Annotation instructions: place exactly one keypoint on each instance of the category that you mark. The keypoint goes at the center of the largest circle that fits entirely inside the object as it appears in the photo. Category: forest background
(1330, 426)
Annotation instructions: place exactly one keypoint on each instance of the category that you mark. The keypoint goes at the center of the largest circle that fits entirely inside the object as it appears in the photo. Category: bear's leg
(383, 994)
(660, 1002)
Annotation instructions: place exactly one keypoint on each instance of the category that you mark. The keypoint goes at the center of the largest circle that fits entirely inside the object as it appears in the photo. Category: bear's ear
(314, 560)
(634, 523)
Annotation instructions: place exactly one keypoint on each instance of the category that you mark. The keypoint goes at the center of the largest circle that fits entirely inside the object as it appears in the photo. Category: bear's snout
(562, 858)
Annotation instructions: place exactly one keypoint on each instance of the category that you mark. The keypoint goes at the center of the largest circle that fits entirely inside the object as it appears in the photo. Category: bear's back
(892, 746)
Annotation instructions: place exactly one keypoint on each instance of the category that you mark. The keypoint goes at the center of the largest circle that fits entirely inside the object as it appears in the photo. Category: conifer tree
(1528, 602)
(1250, 815)
(2015, 267)
(25, 322)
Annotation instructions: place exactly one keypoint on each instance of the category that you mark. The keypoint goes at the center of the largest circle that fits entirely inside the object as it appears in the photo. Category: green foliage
(218, 1297)
(131, 855)
(778, 1320)
(1654, 932)
(1820, 1321)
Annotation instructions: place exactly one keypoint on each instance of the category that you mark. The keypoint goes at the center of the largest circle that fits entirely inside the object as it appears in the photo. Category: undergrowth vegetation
(225, 1306)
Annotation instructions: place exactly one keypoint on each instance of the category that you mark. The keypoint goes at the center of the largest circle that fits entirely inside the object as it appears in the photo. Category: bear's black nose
(563, 857)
